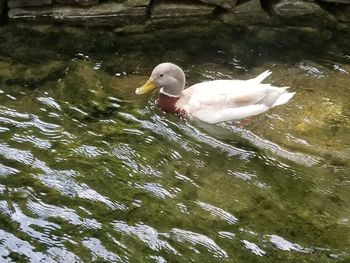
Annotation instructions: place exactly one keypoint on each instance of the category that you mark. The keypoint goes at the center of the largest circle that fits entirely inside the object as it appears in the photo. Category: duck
(213, 101)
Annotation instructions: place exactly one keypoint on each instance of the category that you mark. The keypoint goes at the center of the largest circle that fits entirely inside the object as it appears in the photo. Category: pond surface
(92, 172)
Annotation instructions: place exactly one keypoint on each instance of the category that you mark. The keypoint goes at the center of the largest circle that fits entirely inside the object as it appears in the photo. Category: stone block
(174, 10)
(76, 2)
(248, 13)
(343, 14)
(337, 1)
(107, 14)
(2, 10)
(226, 4)
(299, 12)
(26, 3)
(170, 15)
(137, 2)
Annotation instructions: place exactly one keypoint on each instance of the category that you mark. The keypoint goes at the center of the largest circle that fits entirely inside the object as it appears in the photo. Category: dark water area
(91, 172)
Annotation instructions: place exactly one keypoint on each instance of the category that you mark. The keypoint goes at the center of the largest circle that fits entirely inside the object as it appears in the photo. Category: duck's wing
(240, 92)
(223, 100)
(222, 93)
(226, 114)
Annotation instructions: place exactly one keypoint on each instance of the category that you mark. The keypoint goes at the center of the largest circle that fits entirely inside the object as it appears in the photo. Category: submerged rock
(31, 76)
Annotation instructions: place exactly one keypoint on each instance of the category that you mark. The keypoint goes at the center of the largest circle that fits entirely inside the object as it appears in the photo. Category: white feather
(284, 98)
(222, 100)
(261, 77)
(227, 114)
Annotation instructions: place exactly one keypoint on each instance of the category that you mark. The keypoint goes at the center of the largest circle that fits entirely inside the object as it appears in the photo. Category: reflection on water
(91, 172)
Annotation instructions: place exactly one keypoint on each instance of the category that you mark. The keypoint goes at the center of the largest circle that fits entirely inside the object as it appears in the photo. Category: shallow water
(91, 172)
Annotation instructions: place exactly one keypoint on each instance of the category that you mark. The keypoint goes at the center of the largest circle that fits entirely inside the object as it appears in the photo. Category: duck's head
(169, 77)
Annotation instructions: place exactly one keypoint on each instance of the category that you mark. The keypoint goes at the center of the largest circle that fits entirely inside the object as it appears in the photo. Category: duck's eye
(161, 75)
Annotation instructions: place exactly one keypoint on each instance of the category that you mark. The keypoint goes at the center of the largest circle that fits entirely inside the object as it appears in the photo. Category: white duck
(213, 101)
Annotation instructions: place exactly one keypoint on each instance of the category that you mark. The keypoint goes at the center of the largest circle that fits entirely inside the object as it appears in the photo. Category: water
(92, 172)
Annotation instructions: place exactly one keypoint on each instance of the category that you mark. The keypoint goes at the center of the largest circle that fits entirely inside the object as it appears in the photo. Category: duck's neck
(167, 102)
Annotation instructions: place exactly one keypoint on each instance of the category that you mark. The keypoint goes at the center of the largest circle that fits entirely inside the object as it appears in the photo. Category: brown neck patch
(168, 104)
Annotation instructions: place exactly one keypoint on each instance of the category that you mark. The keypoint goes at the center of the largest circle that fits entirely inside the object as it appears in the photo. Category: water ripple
(218, 212)
(45, 211)
(196, 134)
(89, 151)
(193, 238)
(10, 243)
(158, 259)
(99, 251)
(13, 114)
(37, 142)
(159, 126)
(296, 157)
(26, 120)
(146, 234)
(22, 156)
(155, 189)
(311, 70)
(225, 234)
(286, 245)
(26, 224)
(48, 101)
(63, 181)
(6, 171)
(60, 254)
(44, 127)
(130, 158)
(253, 248)
(185, 178)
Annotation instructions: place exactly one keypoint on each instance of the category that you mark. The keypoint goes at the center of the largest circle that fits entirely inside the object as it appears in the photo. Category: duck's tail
(261, 77)
(284, 98)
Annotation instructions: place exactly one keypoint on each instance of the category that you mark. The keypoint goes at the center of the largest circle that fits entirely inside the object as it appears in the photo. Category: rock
(337, 1)
(342, 13)
(247, 14)
(107, 14)
(137, 2)
(173, 11)
(2, 10)
(26, 3)
(32, 76)
(299, 12)
(45, 72)
(172, 14)
(78, 2)
(226, 4)
(132, 29)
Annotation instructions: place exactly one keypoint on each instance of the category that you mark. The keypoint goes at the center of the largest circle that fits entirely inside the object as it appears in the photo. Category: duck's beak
(148, 86)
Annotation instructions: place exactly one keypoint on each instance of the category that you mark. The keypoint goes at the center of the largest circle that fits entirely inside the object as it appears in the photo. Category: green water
(91, 172)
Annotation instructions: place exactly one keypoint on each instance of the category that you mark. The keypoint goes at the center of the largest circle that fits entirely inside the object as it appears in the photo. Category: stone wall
(144, 15)
(3, 10)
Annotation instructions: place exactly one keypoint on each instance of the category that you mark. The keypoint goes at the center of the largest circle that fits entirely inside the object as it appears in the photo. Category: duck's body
(214, 101)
